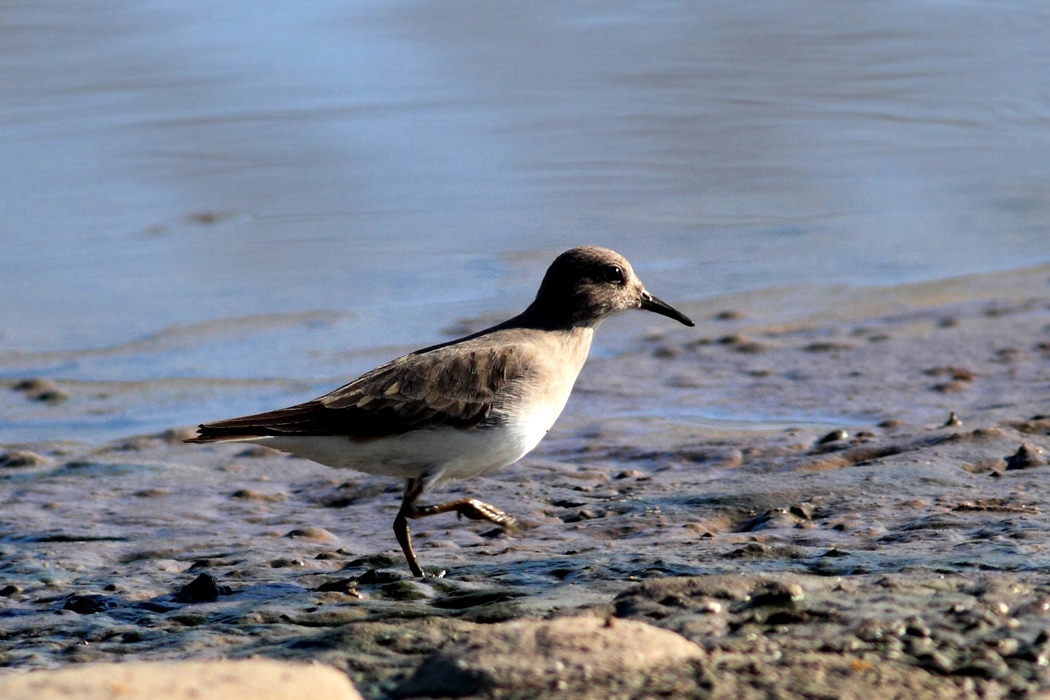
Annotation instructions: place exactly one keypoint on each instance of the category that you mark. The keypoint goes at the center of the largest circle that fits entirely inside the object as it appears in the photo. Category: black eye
(613, 274)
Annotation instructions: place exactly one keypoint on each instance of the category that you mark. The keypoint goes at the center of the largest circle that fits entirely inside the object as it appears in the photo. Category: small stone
(91, 604)
(730, 315)
(630, 474)
(1026, 457)
(171, 679)
(960, 374)
(31, 384)
(202, 589)
(136, 444)
(828, 346)
(258, 451)
(10, 590)
(527, 658)
(38, 389)
(253, 495)
(666, 352)
(581, 514)
(343, 585)
(314, 534)
(378, 576)
(286, 563)
(833, 436)
(751, 550)
(174, 436)
(778, 594)
(21, 458)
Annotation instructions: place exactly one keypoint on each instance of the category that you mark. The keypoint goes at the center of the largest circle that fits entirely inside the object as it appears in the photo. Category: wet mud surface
(881, 531)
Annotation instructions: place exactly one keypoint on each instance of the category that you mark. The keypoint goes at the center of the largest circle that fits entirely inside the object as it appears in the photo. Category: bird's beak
(651, 303)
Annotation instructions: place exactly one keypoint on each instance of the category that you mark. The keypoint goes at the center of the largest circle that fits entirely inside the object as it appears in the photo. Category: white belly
(443, 453)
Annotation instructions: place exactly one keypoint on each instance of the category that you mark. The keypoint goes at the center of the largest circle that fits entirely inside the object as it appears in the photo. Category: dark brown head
(584, 285)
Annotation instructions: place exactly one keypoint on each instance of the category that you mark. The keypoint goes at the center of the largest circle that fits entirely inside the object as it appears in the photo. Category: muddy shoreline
(891, 543)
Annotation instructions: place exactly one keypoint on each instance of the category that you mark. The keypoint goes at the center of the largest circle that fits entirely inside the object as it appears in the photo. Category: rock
(1026, 457)
(202, 589)
(802, 510)
(13, 459)
(567, 654)
(777, 593)
(833, 436)
(174, 436)
(314, 534)
(91, 604)
(257, 679)
(37, 389)
(253, 495)
(258, 451)
(730, 315)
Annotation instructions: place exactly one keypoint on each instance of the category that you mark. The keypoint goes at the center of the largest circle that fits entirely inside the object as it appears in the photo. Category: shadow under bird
(463, 408)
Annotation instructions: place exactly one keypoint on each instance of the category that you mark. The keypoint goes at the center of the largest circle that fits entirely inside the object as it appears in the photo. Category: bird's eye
(614, 274)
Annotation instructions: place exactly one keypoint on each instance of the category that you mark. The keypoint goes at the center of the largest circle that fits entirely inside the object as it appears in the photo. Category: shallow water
(897, 520)
(407, 165)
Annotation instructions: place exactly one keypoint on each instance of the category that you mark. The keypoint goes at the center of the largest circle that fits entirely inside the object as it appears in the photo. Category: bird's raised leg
(467, 507)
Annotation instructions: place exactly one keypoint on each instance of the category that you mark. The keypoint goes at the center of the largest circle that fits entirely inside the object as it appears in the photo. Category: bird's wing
(440, 387)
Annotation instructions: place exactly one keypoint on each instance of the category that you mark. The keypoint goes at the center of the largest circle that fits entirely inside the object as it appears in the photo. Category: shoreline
(142, 386)
(892, 551)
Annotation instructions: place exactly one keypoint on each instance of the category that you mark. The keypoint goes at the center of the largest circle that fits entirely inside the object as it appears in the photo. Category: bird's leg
(413, 488)
(467, 507)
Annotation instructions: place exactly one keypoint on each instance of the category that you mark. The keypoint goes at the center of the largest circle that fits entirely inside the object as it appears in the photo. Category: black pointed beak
(651, 303)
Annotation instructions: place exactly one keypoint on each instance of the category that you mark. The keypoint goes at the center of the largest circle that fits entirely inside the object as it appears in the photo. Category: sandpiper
(462, 408)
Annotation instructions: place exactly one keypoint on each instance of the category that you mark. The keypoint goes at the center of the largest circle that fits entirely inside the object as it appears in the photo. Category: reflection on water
(414, 163)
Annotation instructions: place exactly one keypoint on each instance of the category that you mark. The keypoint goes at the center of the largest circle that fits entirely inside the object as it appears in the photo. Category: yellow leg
(467, 507)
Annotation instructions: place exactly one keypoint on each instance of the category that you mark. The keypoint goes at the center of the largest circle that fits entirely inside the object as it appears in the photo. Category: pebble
(260, 679)
(529, 657)
(833, 436)
(45, 390)
(313, 534)
(202, 589)
(1026, 457)
(253, 495)
(14, 459)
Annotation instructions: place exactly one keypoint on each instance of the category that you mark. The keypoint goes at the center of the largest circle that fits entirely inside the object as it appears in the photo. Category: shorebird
(462, 408)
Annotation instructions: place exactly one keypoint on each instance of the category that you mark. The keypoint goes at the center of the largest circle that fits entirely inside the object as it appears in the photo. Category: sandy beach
(880, 532)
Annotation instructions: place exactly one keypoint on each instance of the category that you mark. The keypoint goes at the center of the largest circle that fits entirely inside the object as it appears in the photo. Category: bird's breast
(536, 399)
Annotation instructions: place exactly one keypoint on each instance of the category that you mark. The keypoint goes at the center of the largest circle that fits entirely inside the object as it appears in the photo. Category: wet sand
(817, 492)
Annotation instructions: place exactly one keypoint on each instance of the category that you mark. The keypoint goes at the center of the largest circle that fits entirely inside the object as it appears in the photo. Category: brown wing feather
(446, 386)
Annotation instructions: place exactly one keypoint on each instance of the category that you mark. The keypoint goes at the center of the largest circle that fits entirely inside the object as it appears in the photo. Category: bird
(462, 408)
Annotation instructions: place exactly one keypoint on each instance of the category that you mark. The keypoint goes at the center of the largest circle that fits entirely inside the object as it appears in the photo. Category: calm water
(378, 170)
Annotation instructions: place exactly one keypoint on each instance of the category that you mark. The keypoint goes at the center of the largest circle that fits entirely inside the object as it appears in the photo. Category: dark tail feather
(295, 420)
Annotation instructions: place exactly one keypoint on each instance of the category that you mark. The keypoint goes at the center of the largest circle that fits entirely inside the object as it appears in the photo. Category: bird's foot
(479, 510)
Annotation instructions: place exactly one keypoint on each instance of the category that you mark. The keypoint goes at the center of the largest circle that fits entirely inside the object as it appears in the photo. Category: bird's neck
(555, 315)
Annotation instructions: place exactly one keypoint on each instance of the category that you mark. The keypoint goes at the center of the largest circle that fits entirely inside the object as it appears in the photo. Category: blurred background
(238, 190)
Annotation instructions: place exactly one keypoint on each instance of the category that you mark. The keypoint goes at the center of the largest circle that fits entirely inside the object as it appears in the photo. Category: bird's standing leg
(413, 487)
(467, 507)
